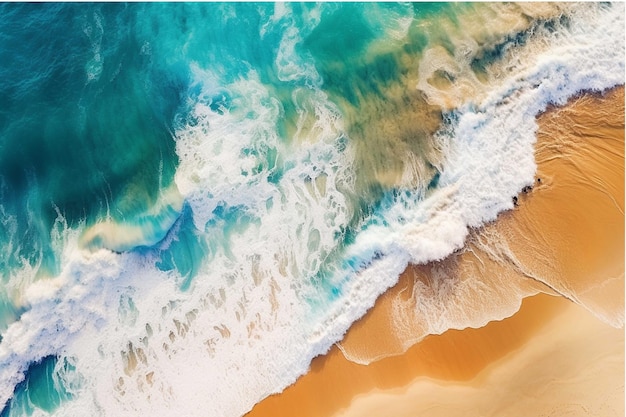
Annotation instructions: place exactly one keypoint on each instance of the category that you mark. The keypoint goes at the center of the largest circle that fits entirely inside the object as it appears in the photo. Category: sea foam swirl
(266, 252)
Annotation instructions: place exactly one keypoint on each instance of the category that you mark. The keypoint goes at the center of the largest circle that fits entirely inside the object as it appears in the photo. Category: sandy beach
(551, 275)
(569, 365)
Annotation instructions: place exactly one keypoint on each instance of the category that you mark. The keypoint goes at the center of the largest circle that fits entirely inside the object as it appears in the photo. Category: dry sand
(570, 366)
(552, 357)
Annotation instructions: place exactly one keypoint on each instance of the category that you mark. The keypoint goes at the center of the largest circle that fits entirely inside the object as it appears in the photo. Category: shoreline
(580, 157)
(545, 376)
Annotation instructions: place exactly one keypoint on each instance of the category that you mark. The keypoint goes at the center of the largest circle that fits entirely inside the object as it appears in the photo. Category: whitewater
(310, 153)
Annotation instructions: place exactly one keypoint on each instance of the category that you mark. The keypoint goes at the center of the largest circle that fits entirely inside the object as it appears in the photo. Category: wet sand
(574, 219)
(570, 365)
(553, 356)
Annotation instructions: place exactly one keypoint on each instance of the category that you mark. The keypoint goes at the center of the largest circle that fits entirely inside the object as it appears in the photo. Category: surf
(269, 210)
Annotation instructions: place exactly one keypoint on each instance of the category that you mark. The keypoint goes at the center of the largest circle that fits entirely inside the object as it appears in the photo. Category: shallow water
(188, 189)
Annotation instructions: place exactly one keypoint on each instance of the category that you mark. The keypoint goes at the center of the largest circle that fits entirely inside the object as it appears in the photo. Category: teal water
(40, 391)
(182, 184)
(86, 121)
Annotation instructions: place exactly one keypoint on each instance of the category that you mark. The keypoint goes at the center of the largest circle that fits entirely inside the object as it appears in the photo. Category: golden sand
(552, 357)
(571, 233)
(569, 365)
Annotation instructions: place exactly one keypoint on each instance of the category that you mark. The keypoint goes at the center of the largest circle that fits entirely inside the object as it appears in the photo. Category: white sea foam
(391, 23)
(291, 65)
(490, 157)
(489, 146)
(255, 315)
(93, 30)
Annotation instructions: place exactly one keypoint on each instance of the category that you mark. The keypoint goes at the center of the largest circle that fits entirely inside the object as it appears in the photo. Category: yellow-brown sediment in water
(391, 123)
(452, 69)
(395, 142)
(552, 356)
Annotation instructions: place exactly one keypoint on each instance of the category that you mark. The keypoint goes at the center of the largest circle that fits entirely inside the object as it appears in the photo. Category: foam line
(290, 269)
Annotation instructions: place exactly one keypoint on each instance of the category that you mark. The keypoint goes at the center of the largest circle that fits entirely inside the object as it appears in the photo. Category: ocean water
(198, 199)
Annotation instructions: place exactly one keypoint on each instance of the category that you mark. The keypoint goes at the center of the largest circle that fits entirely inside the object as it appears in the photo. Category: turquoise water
(183, 185)
(86, 121)
(39, 391)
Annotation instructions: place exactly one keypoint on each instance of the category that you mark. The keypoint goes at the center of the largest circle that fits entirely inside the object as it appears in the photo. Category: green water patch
(226, 222)
(86, 124)
(368, 56)
(340, 35)
(41, 389)
(339, 45)
(184, 249)
(9, 313)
